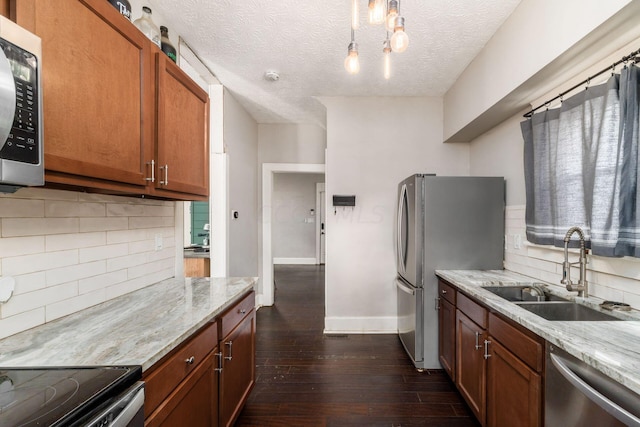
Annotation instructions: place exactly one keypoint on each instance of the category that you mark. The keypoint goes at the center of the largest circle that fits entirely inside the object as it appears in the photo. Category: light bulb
(392, 15)
(355, 15)
(387, 59)
(351, 62)
(376, 12)
(400, 39)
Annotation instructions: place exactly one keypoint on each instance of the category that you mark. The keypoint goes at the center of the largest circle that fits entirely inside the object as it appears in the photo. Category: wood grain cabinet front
(237, 378)
(447, 329)
(118, 116)
(471, 365)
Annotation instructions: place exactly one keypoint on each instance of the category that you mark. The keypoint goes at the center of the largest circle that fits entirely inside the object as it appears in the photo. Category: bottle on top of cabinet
(146, 25)
(123, 6)
(166, 45)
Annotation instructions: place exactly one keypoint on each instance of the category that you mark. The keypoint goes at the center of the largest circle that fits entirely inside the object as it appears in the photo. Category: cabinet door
(96, 90)
(183, 131)
(193, 402)
(471, 367)
(513, 390)
(238, 369)
(447, 337)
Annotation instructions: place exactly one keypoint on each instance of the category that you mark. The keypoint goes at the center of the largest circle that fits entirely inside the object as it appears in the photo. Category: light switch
(158, 242)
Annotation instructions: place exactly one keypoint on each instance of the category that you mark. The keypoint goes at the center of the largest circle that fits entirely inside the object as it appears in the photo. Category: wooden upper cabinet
(94, 84)
(182, 130)
(119, 116)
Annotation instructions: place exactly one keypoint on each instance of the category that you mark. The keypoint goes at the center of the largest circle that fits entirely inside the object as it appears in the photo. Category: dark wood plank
(307, 378)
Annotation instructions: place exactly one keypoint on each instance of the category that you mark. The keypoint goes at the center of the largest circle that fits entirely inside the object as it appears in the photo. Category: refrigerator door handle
(405, 288)
(400, 244)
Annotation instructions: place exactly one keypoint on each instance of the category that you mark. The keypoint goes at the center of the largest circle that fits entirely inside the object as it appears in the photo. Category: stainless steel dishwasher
(578, 395)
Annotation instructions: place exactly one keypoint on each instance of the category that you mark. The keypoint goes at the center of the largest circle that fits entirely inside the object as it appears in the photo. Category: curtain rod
(631, 56)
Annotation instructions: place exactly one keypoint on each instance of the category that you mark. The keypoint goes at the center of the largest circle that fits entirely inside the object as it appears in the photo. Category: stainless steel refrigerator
(453, 223)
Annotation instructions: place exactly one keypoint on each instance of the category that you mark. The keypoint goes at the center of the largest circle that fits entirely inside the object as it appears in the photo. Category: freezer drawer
(411, 319)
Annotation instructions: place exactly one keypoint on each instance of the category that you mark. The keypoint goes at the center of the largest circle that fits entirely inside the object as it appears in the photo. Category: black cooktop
(59, 396)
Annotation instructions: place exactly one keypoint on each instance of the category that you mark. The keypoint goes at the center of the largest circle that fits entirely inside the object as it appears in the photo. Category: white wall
(293, 226)
(68, 251)
(291, 143)
(241, 145)
(372, 144)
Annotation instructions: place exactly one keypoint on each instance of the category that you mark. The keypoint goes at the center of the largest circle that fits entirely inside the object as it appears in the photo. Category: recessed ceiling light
(271, 76)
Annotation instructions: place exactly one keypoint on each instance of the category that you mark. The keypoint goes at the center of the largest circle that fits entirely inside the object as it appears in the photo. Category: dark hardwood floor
(306, 378)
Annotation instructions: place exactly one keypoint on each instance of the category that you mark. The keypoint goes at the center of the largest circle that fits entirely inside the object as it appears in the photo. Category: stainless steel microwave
(21, 139)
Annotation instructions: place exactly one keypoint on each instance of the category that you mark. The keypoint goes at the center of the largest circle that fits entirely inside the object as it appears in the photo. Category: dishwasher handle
(596, 397)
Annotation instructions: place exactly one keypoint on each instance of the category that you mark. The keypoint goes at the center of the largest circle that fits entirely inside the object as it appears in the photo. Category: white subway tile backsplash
(30, 282)
(56, 276)
(32, 300)
(21, 322)
(61, 242)
(56, 208)
(71, 305)
(103, 252)
(91, 284)
(103, 224)
(39, 262)
(69, 251)
(16, 246)
(21, 208)
(18, 227)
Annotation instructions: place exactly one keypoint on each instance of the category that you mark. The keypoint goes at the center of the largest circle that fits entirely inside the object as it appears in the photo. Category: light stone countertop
(138, 328)
(190, 253)
(612, 347)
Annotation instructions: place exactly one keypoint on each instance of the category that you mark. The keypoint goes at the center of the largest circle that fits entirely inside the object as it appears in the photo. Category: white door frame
(268, 169)
(320, 188)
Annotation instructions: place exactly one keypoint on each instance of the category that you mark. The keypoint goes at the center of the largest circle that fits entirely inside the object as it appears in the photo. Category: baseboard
(305, 261)
(361, 325)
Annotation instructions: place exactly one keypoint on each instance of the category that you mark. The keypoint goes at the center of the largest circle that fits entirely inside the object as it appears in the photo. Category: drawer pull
(190, 360)
(242, 311)
(444, 291)
(230, 344)
(219, 368)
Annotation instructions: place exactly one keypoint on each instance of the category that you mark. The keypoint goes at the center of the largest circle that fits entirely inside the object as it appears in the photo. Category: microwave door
(7, 99)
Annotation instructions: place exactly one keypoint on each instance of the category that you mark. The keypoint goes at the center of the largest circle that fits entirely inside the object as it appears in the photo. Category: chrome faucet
(582, 286)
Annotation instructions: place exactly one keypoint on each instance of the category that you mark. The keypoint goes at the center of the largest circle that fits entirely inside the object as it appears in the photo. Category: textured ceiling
(305, 41)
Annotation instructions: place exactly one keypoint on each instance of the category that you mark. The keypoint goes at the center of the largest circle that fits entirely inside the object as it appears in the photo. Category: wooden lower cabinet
(471, 366)
(513, 390)
(197, 267)
(447, 337)
(238, 360)
(498, 366)
(194, 402)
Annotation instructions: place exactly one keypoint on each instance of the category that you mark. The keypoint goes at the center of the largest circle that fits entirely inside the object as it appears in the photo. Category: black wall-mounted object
(344, 200)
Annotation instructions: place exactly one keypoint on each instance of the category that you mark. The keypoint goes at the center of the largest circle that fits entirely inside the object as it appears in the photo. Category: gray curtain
(581, 168)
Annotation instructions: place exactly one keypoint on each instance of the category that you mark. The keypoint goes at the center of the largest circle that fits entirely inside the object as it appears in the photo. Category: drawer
(164, 376)
(232, 317)
(520, 342)
(472, 310)
(447, 292)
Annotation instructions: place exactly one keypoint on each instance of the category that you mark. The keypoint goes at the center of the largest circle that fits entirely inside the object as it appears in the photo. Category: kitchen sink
(522, 293)
(565, 311)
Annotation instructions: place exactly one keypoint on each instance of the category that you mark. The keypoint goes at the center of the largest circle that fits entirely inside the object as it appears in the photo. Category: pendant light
(400, 39)
(386, 50)
(392, 14)
(355, 15)
(376, 12)
(351, 62)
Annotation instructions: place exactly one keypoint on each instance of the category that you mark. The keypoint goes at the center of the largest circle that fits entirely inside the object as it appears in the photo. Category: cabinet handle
(444, 292)
(165, 168)
(486, 349)
(190, 360)
(219, 368)
(478, 346)
(437, 300)
(242, 311)
(153, 171)
(230, 344)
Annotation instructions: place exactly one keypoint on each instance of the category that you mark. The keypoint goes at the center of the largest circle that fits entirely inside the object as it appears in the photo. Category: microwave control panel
(23, 142)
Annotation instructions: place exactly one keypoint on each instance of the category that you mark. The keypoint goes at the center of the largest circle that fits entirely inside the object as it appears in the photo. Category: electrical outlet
(158, 242)
(517, 241)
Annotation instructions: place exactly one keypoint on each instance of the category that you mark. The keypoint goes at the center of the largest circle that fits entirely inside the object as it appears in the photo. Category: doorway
(321, 211)
(266, 298)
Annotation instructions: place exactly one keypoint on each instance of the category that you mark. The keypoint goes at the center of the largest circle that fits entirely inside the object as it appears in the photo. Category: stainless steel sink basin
(520, 293)
(565, 311)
